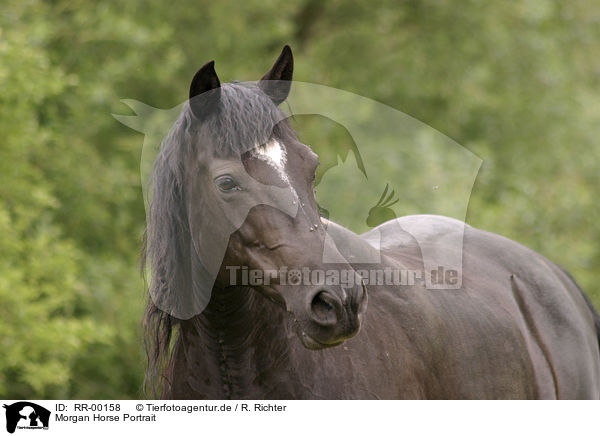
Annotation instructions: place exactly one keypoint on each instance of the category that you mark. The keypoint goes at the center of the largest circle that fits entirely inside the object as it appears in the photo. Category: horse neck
(238, 339)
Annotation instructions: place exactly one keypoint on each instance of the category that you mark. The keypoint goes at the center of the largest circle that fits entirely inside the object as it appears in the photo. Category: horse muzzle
(332, 316)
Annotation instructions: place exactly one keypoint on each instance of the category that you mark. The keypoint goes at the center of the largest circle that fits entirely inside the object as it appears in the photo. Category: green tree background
(517, 83)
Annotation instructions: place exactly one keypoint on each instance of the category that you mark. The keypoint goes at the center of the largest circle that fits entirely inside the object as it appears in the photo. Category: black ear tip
(205, 80)
(207, 68)
(287, 51)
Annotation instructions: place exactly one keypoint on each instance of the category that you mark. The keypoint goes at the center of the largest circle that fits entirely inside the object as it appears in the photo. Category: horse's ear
(205, 81)
(281, 72)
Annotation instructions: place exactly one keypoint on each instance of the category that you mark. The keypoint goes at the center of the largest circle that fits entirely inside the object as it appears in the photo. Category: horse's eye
(227, 184)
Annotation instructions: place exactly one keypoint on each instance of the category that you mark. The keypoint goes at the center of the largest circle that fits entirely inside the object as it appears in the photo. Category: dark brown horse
(232, 169)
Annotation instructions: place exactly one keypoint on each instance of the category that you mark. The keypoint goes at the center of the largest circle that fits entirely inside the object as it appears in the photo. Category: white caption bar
(149, 417)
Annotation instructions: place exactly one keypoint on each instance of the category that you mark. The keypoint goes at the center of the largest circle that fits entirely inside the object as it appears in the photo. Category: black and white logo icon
(26, 415)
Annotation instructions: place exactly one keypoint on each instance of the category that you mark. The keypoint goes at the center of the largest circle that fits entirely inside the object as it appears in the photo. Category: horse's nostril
(323, 308)
(360, 302)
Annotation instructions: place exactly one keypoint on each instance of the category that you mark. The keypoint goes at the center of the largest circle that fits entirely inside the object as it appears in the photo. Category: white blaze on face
(273, 153)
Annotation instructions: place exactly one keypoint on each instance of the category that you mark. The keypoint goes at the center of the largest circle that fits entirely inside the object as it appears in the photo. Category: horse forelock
(244, 119)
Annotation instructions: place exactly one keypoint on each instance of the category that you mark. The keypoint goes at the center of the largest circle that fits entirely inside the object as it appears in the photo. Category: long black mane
(244, 118)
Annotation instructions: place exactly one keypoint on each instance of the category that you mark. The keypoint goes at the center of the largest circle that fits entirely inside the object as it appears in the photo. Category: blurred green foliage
(517, 83)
